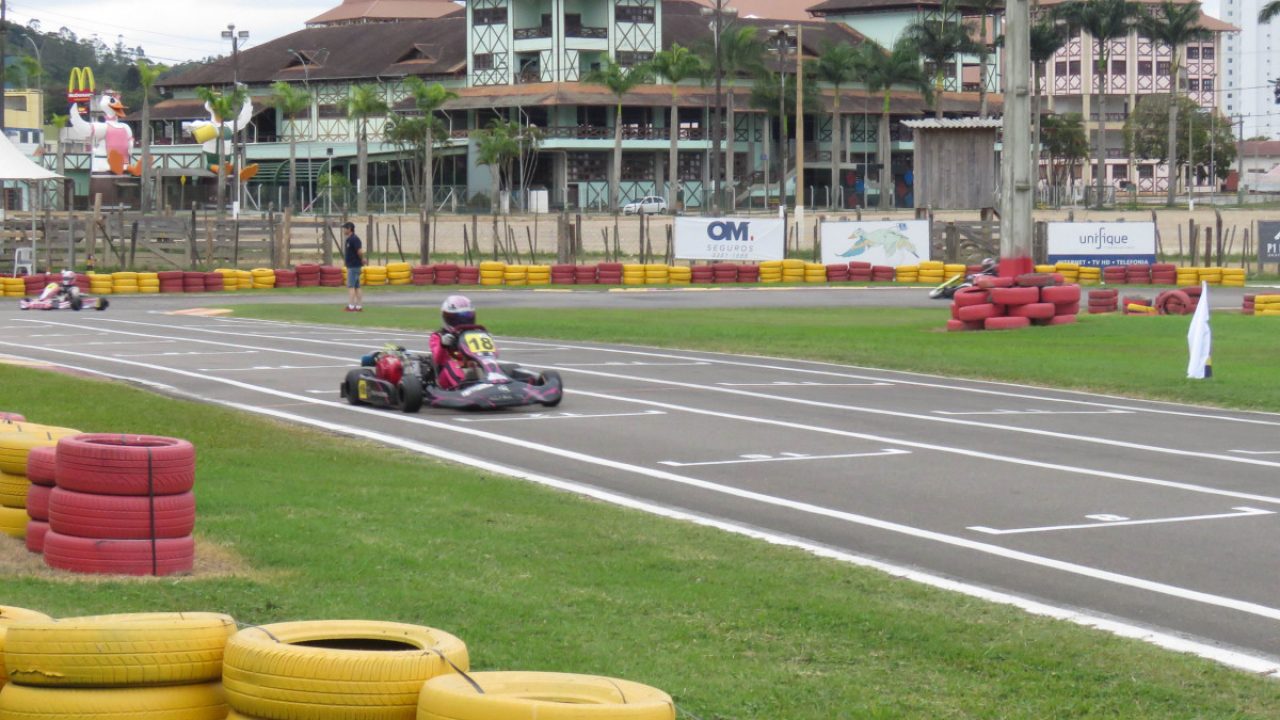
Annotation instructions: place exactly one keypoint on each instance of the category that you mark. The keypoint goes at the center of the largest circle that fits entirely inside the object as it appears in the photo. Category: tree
(147, 76)
(428, 99)
(981, 45)
(1104, 21)
(674, 65)
(499, 145)
(839, 64)
(885, 69)
(1173, 25)
(222, 105)
(939, 39)
(1144, 138)
(1065, 140)
(619, 81)
(1046, 39)
(289, 101)
(764, 95)
(1269, 11)
(742, 52)
(365, 101)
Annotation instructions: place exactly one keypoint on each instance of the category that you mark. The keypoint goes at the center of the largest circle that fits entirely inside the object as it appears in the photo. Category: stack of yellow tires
(771, 272)
(633, 274)
(1266, 305)
(906, 273)
(16, 442)
(492, 272)
(656, 274)
(13, 286)
(538, 274)
(1089, 275)
(124, 283)
(793, 270)
(150, 666)
(1233, 277)
(230, 281)
(373, 275)
(244, 280)
(262, 278)
(1070, 272)
(1187, 276)
(148, 283)
(540, 696)
(515, 275)
(953, 269)
(815, 273)
(680, 275)
(100, 284)
(1211, 275)
(931, 272)
(400, 273)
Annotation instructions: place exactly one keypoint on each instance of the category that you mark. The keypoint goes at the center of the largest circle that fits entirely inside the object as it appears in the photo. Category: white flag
(1200, 339)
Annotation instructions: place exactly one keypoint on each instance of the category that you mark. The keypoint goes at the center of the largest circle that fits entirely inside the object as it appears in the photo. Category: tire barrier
(1017, 302)
(164, 556)
(446, 274)
(1136, 305)
(176, 702)
(540, 696)
(11, 417)
(125, 464)
(8, 616)
(38, 501)
(13, 522)
(126, 650)
(339, 670)
(119, 517)
(1265, 305)
(16, 445)
(1175, 302)
(422, 275)
(1104, 301)
(36, 530)
(13, 490)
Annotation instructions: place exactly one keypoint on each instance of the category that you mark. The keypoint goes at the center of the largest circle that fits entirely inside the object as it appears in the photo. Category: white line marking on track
(177, 353)
(1241, 660)
(631, 363)
(275, 367)
(559, 416)
(1034, 412)
(787, 383)
(1257, 452)
(1241, 512)
(787, 457)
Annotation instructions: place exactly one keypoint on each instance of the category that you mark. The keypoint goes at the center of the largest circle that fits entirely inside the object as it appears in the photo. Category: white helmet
(457, 311)
(68, 277)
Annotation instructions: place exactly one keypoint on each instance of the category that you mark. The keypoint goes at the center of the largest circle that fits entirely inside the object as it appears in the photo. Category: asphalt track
(1149, 519)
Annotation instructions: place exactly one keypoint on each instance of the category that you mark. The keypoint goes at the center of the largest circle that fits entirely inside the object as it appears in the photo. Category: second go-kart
(405, 380)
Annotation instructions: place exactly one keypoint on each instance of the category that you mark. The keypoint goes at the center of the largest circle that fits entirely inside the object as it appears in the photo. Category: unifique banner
(1098, 244)
(729, 239)
(887, 242)
(1268, 241)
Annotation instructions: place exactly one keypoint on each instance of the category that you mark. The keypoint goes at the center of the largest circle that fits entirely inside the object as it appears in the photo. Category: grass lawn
(1138, 356)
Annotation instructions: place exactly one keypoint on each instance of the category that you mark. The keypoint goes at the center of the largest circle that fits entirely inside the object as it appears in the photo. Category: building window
(1060, 67)
(1206, 53)
(482, 61)
(1146, 172)
(489, 16)
(585, 167)
(633, 14)
(637, 166)
(1144, 68)
(1206, 85)
(628, 59)
(1193, 52)
(1193, 85)
(1119, 67)
(1073, 67)
(15, 102)
(1162, 67)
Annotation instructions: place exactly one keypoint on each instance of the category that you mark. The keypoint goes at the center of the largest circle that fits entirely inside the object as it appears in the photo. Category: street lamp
(311, 124)
(718, 13)
(782, 41)
(236, 150)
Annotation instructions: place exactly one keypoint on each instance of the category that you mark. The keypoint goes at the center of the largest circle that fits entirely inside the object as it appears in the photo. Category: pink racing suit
(449, 363)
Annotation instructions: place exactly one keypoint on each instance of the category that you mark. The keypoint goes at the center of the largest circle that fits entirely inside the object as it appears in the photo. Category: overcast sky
(170, 30)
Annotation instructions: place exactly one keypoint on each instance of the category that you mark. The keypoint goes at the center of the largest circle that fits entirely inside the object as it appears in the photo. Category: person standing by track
(353, 258)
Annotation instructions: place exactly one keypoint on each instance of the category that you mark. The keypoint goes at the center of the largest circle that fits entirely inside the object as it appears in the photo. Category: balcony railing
(531, 33)
(591, 33)
(629, 132)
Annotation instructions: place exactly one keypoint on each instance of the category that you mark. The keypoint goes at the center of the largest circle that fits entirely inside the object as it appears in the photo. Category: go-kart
(63, 301)
(397, 378)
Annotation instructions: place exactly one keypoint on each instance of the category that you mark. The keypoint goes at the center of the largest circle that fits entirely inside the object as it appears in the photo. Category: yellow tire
(541, 696)
(134, 649)
(8, 616)
(13, 490)
(14, 446)
(204, 701)
(309, 671)
(13, 522)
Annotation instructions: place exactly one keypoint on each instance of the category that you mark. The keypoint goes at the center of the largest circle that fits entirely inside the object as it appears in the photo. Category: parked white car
(648, 204)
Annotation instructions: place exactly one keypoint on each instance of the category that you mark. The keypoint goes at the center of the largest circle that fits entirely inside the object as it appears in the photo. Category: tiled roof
(385, 10)
(765, 9)
(837, 7)
(682, 22)
(1207, 22)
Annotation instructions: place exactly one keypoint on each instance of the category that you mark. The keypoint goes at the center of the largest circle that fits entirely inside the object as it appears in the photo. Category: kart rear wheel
(410, 394)
(351, 385)
(76, 302)
(547, 378)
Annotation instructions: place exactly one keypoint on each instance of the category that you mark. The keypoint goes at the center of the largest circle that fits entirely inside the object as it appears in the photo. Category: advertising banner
(729, 239)
(1268, 241)
(1098, 244)
(886, 242)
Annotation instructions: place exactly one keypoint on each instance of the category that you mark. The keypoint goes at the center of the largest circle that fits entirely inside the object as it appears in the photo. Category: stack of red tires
(882, 273)
(213, 282)
(422, 275)
(192, 282)
(40, 471)
(173, 281)
(446, 274)
(609, 273)
(839, 272)
(286, 278)
(1002, 303)
(308, 274)
(330, 276)
(1115, 275)
(1104, 301)
(748, 273)
(564, 274)
(724, 272)
(584, 274)
(859, 271)
(122, 504)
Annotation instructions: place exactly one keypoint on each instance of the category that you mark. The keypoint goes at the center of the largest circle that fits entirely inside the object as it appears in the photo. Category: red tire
(1034, 311)
(41, 465)
(1103, 295)
(960, 326)
(109, 464)
(1006, 323)
(1061, 294)
(1015, 295)
(1061, 320)
(121, 517)
(11, 417)
(989, 283)
(971, 296)
(36, 530)
(1068, 309)
(1174, 302)
(1033, 280)
(977, 313)
(38, 502)
(166, 556)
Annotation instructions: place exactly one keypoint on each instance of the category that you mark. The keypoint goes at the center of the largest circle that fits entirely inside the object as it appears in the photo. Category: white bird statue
(112, 140)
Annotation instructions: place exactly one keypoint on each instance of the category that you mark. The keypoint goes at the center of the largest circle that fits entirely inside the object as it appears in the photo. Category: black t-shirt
(352, 251)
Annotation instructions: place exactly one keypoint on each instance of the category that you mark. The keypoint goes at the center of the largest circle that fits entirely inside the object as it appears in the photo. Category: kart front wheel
(410, 394)
(551, 377)
(351, 386)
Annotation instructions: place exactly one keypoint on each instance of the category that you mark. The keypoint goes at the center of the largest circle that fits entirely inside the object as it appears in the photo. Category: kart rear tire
(76, 302)
(410, 394)
(548, 377)
(352, 385)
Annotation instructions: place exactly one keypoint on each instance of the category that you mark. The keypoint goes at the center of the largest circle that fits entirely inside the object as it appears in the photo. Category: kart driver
(458, 314)
(66, 289)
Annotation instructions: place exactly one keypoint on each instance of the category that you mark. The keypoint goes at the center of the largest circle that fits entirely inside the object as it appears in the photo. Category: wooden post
(133, 244)
(1208, 245)
(1192, 236)
(1217, 214)
(951, 242)
(93, 224)
(191, 240)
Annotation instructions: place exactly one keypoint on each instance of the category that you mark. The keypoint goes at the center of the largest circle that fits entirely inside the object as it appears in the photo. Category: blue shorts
(353, 277)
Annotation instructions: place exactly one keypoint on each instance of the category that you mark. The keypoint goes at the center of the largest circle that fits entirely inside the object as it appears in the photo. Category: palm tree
(619, 81)
(980, 44)
(1269, 11)
(428, 99)
(289, 101)
(741, 52)
(1046, 39)
(839, 64)
(222, 105)
(939, 40)
(499, 145)
(885, 69)
(1173, 25)
(365, 101)
(147, 75)
(677, 64)
(1104, 21)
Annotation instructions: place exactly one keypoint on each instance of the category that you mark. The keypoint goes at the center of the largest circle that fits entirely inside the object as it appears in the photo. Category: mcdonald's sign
(80, 85)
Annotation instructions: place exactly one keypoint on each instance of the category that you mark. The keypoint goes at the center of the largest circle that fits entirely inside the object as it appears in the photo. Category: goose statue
(206, 133)
(111, 139)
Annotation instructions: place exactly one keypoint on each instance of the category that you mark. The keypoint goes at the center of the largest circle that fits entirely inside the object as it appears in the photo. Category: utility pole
(718, 12)
(1240, 164)
(800, 133)
(1016, 197)
(236, 149)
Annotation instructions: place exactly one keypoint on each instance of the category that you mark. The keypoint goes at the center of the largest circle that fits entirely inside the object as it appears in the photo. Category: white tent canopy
(16, 166)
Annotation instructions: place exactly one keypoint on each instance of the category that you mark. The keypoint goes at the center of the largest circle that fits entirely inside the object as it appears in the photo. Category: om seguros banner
(886, 242)
(1097, 244)
(729, 239)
